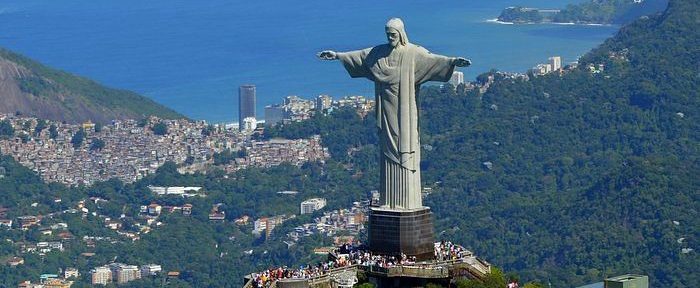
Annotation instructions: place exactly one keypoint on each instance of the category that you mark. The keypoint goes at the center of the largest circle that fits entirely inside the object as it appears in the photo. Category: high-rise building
(126, 273)
(311, 205)
(555, 61)
(246, 103)
(275, 114)
(323, 102)
(457, 78)
(259, 225)
(101, 275)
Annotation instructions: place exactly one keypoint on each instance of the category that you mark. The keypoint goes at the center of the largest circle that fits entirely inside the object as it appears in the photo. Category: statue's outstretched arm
(461, 62)
(327, 55)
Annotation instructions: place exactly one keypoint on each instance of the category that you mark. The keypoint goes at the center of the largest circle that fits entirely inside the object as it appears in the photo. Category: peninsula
(591, 12)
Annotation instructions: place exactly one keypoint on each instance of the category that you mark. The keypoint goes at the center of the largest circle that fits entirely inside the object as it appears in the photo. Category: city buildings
(295, 108)
(57, 283)
(267, 224)
(150, 270)
(175, 190)
(6, 223)
(542, 69)
(15, 261)
(259, 225)
(331, 223)
(249, 124)
(132, 151)
(101, 275)
(46, 283)
(627, 281)
(323, 102)
(27, 221)
(217, 215)
(311, 205)
(246, 103)
(555, 61)
(154, 209)
(274, 114)
(71, 272)
(622, 281)
(553, 65)
(29, 284)
(457, 78)
(187, 209)
(123, 273)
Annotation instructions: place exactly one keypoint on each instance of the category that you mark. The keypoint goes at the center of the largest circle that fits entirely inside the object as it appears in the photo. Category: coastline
(496, 21)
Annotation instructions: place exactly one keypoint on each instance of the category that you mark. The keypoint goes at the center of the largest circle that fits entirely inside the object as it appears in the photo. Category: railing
(432, 270)
(249, 284)
(325, 277)
(438, 269)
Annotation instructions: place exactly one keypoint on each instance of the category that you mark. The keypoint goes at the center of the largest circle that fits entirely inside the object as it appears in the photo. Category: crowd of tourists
(348, 255)
(267, 277)
(446, 251)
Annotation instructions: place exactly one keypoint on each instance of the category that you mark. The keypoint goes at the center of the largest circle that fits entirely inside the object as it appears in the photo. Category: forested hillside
(589, 170)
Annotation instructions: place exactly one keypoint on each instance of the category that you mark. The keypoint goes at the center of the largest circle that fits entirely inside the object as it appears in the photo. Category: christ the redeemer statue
(398, 69)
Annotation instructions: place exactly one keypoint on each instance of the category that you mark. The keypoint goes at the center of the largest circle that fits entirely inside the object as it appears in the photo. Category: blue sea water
(193, 55)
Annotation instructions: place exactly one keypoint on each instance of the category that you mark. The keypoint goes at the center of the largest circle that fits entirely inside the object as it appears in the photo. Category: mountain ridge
(31, 88)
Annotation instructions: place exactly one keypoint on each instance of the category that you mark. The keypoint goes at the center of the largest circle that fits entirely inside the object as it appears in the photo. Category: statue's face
(393, 37)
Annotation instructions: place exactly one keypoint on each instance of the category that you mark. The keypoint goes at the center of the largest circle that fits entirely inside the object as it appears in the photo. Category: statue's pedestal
(392, 232)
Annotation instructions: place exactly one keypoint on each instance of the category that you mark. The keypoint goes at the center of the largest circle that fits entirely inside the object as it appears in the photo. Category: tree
(24, 137)
(6, 129)
(223, 157)
(495, 279)
(160, 128)
(97, 144)
(40, 126)
(53, 131)
(207, 131)
(78, 138)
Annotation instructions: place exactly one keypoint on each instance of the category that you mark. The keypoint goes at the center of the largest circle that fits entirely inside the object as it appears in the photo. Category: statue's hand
(327, 55)
(462, 62)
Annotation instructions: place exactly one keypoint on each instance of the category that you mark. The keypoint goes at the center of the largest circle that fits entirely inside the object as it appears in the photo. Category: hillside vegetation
(31, 88)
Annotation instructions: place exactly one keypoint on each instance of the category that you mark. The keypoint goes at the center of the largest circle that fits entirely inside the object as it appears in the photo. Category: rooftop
(625, 278)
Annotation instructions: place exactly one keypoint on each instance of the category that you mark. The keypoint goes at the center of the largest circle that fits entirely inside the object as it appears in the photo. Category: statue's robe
(397, 75)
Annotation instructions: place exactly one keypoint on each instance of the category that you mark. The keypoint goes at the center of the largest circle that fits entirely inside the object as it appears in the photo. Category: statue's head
(395, 33)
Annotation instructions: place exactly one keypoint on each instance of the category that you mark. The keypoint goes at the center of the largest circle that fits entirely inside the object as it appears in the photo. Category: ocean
(192, 55)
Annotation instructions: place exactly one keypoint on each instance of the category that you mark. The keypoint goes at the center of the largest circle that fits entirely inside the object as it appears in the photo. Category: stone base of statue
(392, 232)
